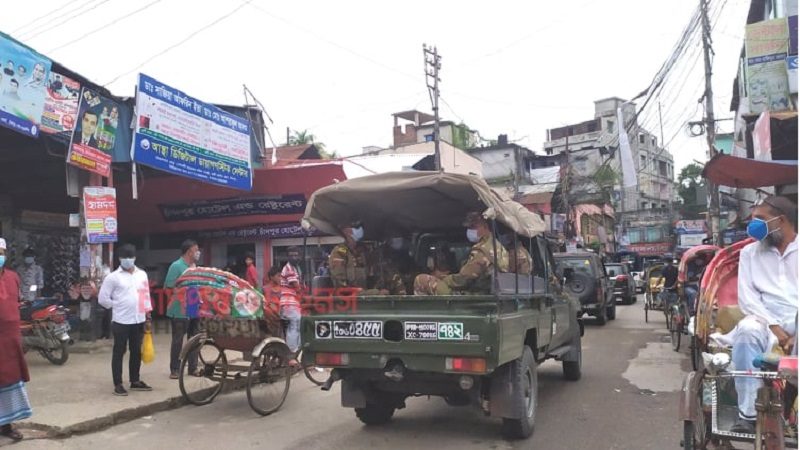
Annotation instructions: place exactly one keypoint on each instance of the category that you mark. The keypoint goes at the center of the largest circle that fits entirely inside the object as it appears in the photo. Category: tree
(303, 137)
(690, 182)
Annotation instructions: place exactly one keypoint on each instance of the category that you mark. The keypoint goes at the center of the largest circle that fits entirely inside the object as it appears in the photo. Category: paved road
(627, 399)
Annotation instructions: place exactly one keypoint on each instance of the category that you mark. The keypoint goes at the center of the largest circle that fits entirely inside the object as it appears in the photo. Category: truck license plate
(421, 331)
(451, 331)
(358, 329)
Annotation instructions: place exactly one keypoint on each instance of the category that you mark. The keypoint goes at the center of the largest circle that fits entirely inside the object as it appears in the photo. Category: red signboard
(650, 248)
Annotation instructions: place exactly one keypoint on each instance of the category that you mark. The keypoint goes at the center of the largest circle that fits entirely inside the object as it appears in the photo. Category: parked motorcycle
(44, 328)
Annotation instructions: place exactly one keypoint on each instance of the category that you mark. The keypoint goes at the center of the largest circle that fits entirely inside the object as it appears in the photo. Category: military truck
(479, 349)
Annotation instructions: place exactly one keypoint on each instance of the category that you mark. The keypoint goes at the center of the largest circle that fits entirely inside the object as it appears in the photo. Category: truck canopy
(414, 201)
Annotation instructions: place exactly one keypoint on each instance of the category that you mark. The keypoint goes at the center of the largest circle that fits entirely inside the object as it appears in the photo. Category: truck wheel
(375, 413)
(572, 369)
(612, 310)
(601, 315)
(524, 386)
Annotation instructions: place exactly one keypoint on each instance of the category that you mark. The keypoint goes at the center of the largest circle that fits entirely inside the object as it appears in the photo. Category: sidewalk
(77, 397)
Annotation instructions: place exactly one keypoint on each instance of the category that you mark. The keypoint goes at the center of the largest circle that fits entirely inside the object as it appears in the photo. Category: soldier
(393, 264)
(347, 261)
(474, 276)
(519, 260)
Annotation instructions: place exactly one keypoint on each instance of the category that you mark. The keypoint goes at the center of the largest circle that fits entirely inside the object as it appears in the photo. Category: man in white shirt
(126, 291)
(767, 296)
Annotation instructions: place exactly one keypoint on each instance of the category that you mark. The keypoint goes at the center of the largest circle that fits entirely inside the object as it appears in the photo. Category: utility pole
(433, 62)
(713, 189)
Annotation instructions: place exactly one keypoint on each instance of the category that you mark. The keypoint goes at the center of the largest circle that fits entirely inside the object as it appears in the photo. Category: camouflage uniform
(348, 267)
(387, 273)
(474, 276)
(520, 261)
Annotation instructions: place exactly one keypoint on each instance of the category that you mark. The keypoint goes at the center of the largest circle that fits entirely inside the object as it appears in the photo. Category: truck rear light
(332, 359)
(469, 365)
(622, 278)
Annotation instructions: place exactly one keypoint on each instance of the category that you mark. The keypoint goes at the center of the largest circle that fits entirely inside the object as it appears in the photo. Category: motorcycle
(44, 328)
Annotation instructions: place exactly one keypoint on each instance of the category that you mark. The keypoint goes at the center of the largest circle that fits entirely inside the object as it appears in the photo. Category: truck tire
(612, 310)
(375, 413)
(572, 369)
(601, 315)
(524, 386)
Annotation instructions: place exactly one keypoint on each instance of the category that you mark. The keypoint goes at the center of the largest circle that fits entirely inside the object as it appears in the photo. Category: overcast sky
(340, 69)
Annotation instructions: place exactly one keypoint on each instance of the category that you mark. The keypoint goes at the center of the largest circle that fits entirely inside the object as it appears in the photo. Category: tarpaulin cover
(733, 171)
(204, 292)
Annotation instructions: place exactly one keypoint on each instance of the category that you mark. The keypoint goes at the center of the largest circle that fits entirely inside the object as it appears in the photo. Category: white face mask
(127, 263)
(472, 235)
(196, 256)
(396, 243)
(357, 233)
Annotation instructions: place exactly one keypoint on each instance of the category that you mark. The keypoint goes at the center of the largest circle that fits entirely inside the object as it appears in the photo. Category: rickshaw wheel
(646, 307)
(697, 358)
(675, 336)
(316, 375)
(268, 379)
(212, 362)
(696, 434)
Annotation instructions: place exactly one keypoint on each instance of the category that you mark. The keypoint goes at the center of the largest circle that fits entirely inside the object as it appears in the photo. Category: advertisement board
(690, 240)
(234, 207)
(100, 214)
(61, 104)
(94, 134)
(181, 135)
(766, 47)
(23, 80)
(650, 249)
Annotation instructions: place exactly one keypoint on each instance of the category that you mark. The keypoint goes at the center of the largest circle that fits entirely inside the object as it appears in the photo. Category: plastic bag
(148, 350)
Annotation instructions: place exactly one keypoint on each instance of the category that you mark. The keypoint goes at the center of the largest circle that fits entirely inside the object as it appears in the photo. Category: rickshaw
(708, 404)
(690, 268)
(233, 317)
(654, 284)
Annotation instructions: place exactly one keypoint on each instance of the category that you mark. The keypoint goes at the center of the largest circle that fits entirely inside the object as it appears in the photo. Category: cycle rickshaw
(653, 285)
(233, 318)
(690, 269)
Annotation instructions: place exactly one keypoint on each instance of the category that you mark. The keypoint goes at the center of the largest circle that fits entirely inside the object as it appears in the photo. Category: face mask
(85, 296)
(196, 256)
(29, 260)
(396, 243)
(2, 261)
(357, 233)
(758, 228)
(127, 263)
(472, 235)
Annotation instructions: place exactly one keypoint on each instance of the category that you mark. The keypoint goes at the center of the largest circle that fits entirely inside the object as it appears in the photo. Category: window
(644, 205)
(653, 234)
(641, 139)
(429, 137)
(610, 126)
(642, 162)
(653, 141)
(662, 168)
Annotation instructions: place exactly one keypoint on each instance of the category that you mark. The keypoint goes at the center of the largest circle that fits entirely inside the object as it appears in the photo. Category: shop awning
(733, 171)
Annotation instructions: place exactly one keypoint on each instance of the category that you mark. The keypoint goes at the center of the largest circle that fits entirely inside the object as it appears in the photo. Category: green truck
(479, 349)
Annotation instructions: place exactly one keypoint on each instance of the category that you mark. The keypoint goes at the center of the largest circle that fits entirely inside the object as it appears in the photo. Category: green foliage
(689, 181)
(303, 137)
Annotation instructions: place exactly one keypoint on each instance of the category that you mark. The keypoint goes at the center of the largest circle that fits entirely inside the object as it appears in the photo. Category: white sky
(340, 69)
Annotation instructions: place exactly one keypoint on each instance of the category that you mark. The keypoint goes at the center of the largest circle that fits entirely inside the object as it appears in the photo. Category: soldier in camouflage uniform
(474, 277)
(348, 261)
(519, 260)
(388, 278)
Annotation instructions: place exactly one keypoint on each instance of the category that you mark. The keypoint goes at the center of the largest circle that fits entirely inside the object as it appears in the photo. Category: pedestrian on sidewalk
(292, 282)
(181, 326)
(251, 273)
(126, 292)
(14, 404)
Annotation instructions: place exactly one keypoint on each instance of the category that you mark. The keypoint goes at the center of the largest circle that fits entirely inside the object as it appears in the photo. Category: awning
(733, 171)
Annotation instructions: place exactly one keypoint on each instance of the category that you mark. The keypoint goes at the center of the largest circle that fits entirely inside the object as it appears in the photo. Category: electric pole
(713, 189)
(433, 62)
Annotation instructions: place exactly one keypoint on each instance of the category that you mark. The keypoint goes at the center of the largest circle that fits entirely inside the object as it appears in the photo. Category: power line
(51, 12)
(28, 36)
(181, 42)
(113, 22)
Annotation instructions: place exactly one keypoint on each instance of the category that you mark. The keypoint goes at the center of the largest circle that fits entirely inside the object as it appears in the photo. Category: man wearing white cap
(14, 404)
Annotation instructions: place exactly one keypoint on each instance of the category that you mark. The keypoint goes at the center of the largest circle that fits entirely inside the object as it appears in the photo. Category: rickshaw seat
(728, 317)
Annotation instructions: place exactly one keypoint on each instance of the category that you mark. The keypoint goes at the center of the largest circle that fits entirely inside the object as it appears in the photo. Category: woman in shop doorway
(251, 273)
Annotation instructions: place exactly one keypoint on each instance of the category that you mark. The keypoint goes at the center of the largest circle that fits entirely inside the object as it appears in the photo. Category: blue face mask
(2, 261)
(472, 235)
(127, 263)
(357, 234)
(758, 228)
(29, 260)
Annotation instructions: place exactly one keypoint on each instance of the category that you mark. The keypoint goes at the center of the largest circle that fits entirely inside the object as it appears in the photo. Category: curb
(118, 417)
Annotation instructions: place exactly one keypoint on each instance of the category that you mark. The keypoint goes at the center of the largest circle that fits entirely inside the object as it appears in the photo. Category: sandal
(12, 433)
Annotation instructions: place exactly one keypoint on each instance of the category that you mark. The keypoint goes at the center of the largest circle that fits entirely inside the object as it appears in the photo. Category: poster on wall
(766, 47)
(184, 136)
(100, 214)
(61, 104)
(94, 134)
(23, 80)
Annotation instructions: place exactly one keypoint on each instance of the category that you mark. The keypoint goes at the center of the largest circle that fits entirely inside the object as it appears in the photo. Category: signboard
(100, 214)
(184, 136)
(23, 79)
(651, 249)
(690, 226)
(233, 207)
(61, 104)
(256, 232)
(690, 240)
(94, 134)
(792, 23)
(766, 47)
(791, 72)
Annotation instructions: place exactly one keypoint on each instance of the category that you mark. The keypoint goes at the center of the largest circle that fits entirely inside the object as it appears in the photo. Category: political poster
(766, 48)
(100, 214)
(94, 134)
(61, 104)
(23, 79)
(181, 135)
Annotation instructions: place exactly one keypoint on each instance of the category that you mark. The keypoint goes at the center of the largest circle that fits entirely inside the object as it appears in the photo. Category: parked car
(622, 283)
(586, 280)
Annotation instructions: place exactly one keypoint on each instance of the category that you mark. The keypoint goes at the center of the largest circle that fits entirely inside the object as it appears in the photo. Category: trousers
(181, 328)
(127, 337)
(292, 315)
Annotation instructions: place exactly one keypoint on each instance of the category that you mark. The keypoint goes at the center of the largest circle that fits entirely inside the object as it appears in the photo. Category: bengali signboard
(23, 80)
(233, 207)
(650, 249)
(257, 232)
(61, 104)
(179, 134)
(690, 227)
(95, 133)
(766, 47)
(100, 214)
